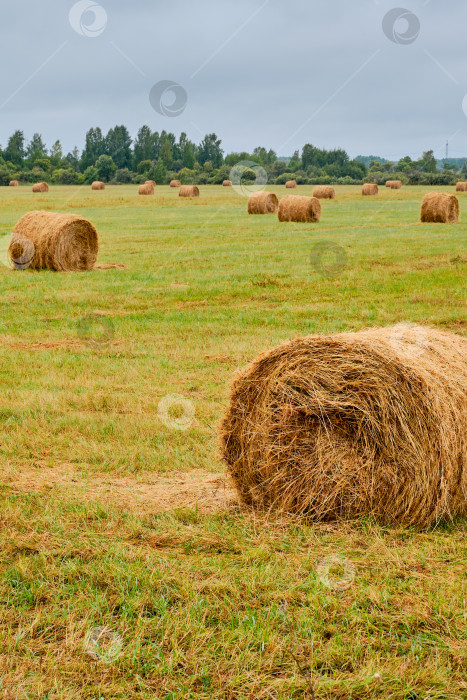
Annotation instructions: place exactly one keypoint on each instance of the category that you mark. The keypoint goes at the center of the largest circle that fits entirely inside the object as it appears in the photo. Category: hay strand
(324, 192)
(188, 191)
(441, 208)
(369, 189)
(263, 203)
(300, 209)
(40, 187)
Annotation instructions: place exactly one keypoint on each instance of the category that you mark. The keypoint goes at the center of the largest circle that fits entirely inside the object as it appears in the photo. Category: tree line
(117, 158)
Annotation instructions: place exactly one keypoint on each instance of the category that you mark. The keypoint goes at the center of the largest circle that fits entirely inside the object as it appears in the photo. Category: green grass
(219, 604)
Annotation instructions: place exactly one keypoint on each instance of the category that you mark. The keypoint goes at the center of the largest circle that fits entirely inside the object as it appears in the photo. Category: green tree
(56, 154)
(118, 146)
(106, 168)
(210, 149)
(15, 152)
(166, 154)
(36, 149)
(143, 146)
(158, 173)
(295, 163)
(95, 147)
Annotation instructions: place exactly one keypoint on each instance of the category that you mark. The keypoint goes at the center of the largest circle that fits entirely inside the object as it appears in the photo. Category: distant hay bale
(263, 203)
(460, 187)
(14, 183)
(394, 184)
(440, 208)
(291, 184)
(370, 188)
(98, 185)
(357, 424)
(300, 209)
(188, 191)
(150, 182)
(40, 187)
(175, 183)
(63, 242)
(147, 188)
(227, 183)
(324, 192)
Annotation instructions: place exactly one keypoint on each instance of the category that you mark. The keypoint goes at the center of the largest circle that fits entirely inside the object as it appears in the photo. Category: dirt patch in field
(110, 266)
(147, 493)
(47, 345)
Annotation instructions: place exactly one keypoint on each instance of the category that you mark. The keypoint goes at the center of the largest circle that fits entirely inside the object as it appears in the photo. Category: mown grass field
(113, 518)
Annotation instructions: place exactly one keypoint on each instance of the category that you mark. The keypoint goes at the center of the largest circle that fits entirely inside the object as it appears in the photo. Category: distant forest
(117, 158)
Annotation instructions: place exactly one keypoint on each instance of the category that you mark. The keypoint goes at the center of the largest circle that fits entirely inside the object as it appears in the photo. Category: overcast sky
(256, 72)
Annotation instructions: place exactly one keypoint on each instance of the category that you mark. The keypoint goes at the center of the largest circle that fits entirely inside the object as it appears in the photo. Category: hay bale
(14, 183)
(440, 208)
(460, 187)
(98, 185)
(394, 184)
(150, 182)
(302, 209)
(175, 183)
(147, 188)
(291, 184)
(188, 191)
(40, 187)
(263, 203)
(324, 192)
(227, 183)
(352, 425)
(370, 188)
(60, 241)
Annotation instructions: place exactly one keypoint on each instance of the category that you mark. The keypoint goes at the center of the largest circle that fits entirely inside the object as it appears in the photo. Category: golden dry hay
(63, 242)
(370, 188)
(175, 183)
(291, 184)
(394, 184)
(357, 424)
(150, 182)
(227, 183)
(461, 187)
(188, 191)
(40, 187)
(98, 185)
(14, 183)
(301, 209)
(324, 192)
(147, 188)
(440, 208)
(263, 203)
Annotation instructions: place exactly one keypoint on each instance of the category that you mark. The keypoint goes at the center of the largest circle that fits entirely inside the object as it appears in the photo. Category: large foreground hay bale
(394, 184)
(262, 203)
(147, 188)
(188, 191)
(369, 189)
(227, 183)
(98, 185)
(301, 209)
(60, 241)
(440, 208)
(324, 192)
(351, 425)
(40, 187)
(461, 187)
(291, 184)
(14, 183)
(175, 183)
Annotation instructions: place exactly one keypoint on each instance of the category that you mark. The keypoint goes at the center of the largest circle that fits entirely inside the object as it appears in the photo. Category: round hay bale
(440, 208)
(301, 209)
(98, 185)
(460, 187)
(147, 188)
(188, 191)
(324, 192)
(352, 425)
(40, 187)
(61, 241)
(14, 183)
(263, 203)
(291, 184)
(175, 183)
(394, 184)
(227, 183)
(150, 182)
(369, 189)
